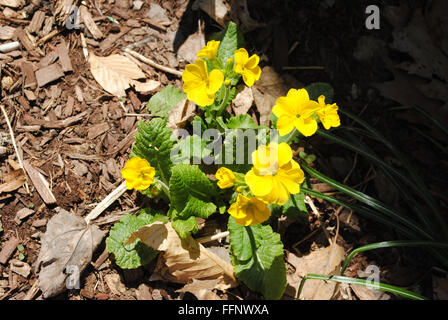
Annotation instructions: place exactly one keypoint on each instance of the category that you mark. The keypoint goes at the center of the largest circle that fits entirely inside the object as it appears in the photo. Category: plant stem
(291, 136)
(164, 187)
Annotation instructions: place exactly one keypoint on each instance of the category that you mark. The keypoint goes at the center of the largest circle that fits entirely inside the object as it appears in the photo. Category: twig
(213, 237)
(152, 63)
(11, 133)
(84, 47)
(48, 36)
(103, 205)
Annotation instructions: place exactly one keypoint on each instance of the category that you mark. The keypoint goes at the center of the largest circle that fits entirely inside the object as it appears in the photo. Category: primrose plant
(254, 185)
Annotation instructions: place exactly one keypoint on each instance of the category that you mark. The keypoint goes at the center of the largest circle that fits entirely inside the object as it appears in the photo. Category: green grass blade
(391, 244)
(414, 177)
(365, 283)
(369, 201)
(365, 211)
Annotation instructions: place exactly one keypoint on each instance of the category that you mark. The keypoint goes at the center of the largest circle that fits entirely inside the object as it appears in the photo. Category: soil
(312, 41)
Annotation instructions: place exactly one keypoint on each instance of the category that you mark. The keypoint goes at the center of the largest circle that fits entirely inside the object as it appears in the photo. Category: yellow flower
(328, 114)
(249, 211)
(199, 85)
(247, 67)
(296, 110)
(138, 173)
(210, 50)
(274, 175)
(226, 178)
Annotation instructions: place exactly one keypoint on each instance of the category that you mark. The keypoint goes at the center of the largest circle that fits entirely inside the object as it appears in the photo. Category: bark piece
(28, 71)
(8, 249)
(22, 214)
(48, 59)
(40, 183)
(64, 58)
(26, 42)
(37, 22)
(90, 23)
(48, 74)
(12, 3)
(112, 39)
(7, 32)
(97, 130)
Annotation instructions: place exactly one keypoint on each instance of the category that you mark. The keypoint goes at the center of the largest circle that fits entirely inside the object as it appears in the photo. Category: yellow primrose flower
(274, 175)
(328, 114)
(296, 110)
(226, 178)
(247, 67)
(138, 173)
(199, 85)
(210, 50)
(249, 211)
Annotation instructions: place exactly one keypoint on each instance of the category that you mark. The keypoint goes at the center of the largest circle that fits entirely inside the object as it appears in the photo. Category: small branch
(316, 212)
(213, 237)
(152, 63)
(103, 205)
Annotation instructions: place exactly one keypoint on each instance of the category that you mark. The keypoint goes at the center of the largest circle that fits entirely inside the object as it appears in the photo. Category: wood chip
(143, 292)
(37, 22)
(20, 267)
(58, 124)
(39, 223)
(48, 59)
(26, 42)
(8, 249)
(112, 39)
(97, 130)
(49, 74)
(28, 72)
(39, 183)
(12, 3)
(7, 32)
(29, 95)
(22, 214)
(64, 57)
(86, 17)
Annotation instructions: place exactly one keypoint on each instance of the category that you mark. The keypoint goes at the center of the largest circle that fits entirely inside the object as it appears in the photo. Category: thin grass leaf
(365, 283)
(391, 244)
(369, 201)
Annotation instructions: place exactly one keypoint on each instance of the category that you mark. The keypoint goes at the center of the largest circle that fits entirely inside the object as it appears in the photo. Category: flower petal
(306, 126)
(216, 79)
(285, 124)
(259, 185)
(241, 56)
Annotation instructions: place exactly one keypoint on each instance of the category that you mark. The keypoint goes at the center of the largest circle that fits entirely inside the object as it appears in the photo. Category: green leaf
(162, 102)
(191, 192)
(191, 147)
(242, 121)
(295, 208)
(153, 142)
(257, 257)
(231, 39)
(185, 227)
(136, 254)
(320, 88)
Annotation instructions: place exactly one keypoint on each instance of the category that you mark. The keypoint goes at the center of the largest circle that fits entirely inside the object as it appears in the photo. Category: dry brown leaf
(216, 9)
(12, 181)
(147, 86)
(184, 259)
(114, 73)
(178, 116)
(243, 101)
(202, 289)
(324, 261)
(191, 46)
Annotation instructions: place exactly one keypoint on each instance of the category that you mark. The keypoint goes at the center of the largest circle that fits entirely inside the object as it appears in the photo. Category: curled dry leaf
(323, 261)
(116, 73)
(181, 113)
(12, 181)
(202, 289)
(243, 101)
(184, 259)
(66, 249)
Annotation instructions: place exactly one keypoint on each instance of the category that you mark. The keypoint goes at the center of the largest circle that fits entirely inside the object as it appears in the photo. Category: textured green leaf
(191, 147)
(162, 102)
(185, 227)
(257, 257)
(295, 208)
(153, 142)
(136, 254)
(242, 121)
(320, 88)
(231, 39)
(191, 192)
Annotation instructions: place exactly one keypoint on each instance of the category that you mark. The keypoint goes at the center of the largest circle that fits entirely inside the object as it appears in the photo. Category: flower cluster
(203, 79)
(138, 173)
(296, 110)
(272, 179)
